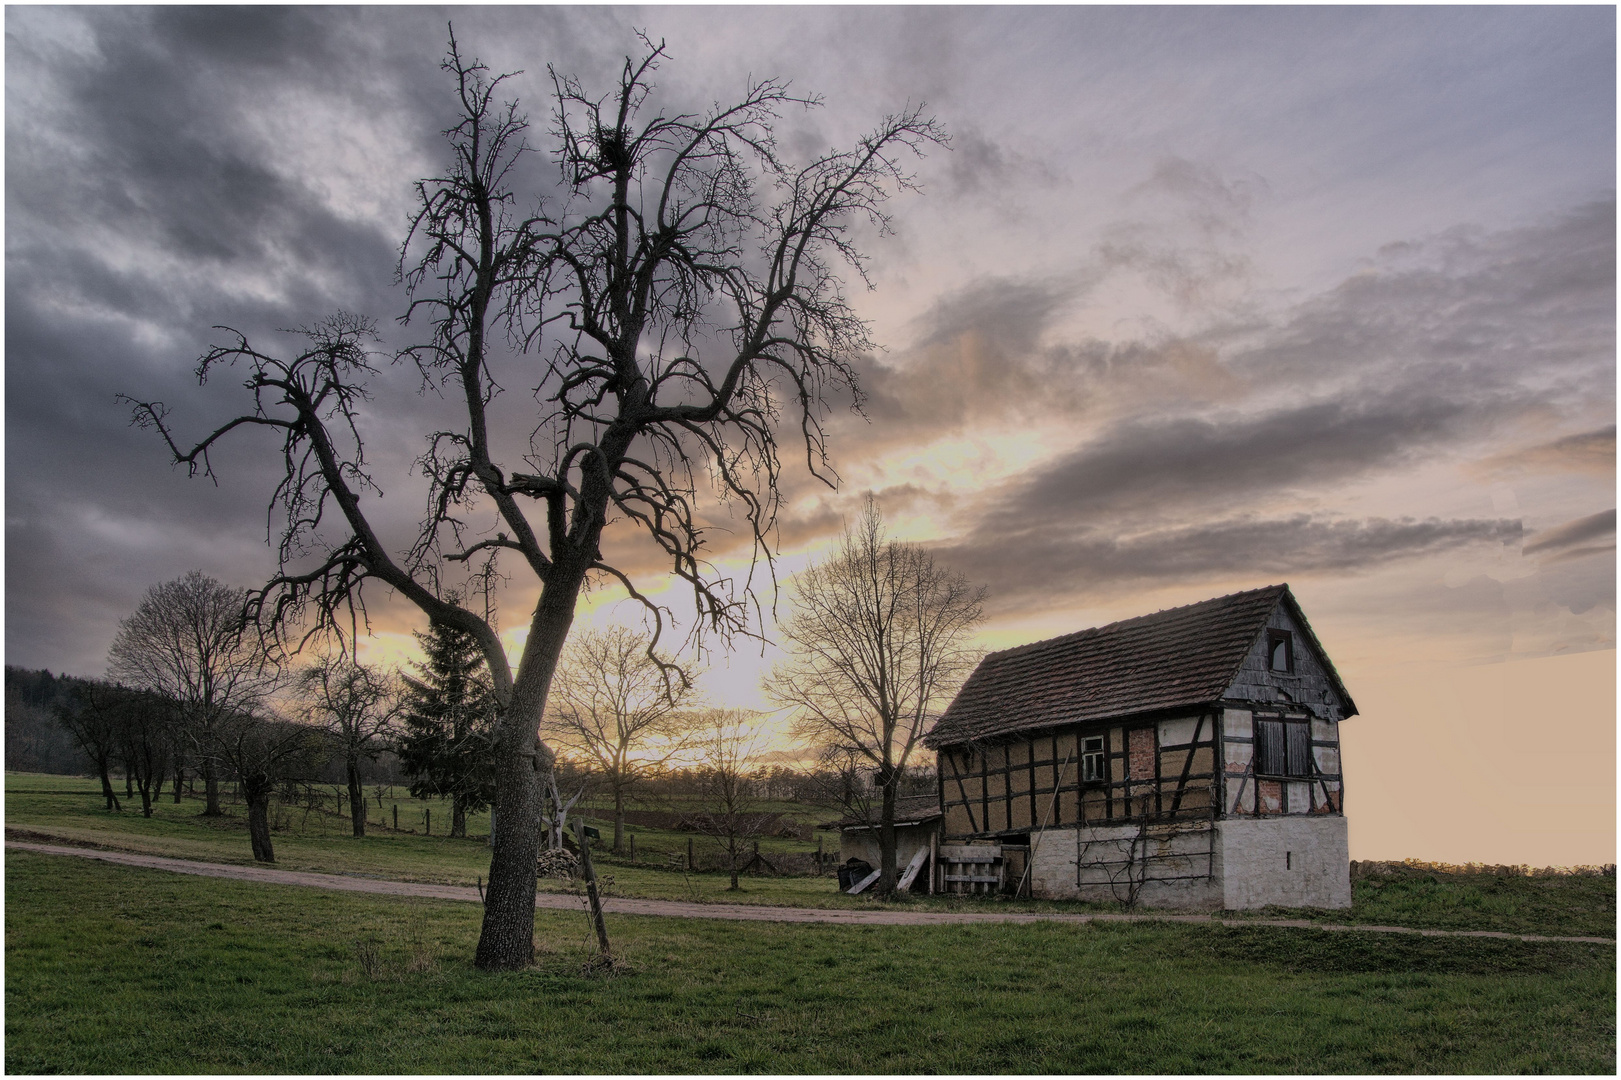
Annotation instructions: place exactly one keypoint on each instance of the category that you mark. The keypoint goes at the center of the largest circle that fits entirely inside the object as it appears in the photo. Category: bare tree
(617, 707)
(358, 707)
(683, 295)
(262, 750)
(149, 736)
(185, 641)
(878, 642)
(728, 754)
(89, 716)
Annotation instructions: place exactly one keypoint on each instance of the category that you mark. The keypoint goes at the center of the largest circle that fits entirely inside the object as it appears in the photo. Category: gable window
(1280, 650)
(1282, 748)
(1092, 758)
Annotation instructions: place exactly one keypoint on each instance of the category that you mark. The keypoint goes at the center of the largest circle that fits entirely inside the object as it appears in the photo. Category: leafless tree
(878, 642)
(149, 738)
(358, 707)
(89, 716)
(682, 298)
(728, 751)
(185, 641)
(615, 706)
(555, 808)
(262, 750)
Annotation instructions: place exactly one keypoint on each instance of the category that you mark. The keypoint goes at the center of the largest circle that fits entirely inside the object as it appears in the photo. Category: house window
(1092, 759)
(1280, 650)
(1282, 748)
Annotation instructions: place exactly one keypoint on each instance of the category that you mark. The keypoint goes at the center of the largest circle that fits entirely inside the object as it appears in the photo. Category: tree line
(877, 641)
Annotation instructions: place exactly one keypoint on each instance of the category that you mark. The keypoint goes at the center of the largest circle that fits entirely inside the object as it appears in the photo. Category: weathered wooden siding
(1308, 685)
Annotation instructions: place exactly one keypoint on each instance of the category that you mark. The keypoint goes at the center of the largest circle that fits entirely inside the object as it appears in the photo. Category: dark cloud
(1020, 564)
(1570, 539)
(1179, 463)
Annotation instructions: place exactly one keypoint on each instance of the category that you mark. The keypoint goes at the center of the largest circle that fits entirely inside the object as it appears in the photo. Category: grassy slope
(112, 969)
(68, 808)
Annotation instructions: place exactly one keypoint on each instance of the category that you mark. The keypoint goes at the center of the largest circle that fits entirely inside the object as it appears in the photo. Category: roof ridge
(1281, 587)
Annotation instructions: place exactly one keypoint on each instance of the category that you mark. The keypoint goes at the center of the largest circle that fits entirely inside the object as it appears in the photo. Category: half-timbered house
(1188, 758)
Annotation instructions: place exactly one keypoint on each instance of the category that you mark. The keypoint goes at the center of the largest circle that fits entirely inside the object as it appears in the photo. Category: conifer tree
(450, 716)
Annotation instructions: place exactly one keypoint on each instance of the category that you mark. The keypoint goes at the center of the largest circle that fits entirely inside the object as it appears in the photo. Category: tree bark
(506, 941)
(619, 819)
(888, 867)
(211, 790)
(458, 818)
(129, 783)
(107, 786)
(179, 779)
(357, 799)
(258, 794)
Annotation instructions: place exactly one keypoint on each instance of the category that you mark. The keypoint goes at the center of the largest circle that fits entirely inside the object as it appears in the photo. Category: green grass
(70, 809)
(114, 969)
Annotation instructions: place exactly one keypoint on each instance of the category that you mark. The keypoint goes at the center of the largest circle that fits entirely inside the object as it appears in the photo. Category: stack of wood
(557, 863)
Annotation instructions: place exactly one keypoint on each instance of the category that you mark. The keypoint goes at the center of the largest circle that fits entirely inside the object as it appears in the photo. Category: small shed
(1188, 758)
(917, 825)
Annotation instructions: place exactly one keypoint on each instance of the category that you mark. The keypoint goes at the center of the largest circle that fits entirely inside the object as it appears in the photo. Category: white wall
(1288, 861)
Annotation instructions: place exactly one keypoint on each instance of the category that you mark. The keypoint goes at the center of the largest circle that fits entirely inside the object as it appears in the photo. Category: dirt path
(683, 910)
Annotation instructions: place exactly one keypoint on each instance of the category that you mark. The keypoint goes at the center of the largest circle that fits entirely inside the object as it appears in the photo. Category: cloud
(1055, 566)
(1584, 452)
(1176, 463)
(1569, 541)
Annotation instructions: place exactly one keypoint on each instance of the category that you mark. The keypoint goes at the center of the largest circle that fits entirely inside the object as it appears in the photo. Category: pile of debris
(557, 863)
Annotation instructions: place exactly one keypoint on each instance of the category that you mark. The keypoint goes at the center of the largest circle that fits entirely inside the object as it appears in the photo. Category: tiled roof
(909, 810)
(1179, 657)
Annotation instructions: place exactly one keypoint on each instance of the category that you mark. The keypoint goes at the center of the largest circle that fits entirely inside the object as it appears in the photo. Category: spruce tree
(450, 716)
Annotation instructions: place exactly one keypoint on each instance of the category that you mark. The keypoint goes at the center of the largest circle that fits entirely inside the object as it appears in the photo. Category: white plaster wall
(1289, 861)
(1179, 731)
(1059, 872)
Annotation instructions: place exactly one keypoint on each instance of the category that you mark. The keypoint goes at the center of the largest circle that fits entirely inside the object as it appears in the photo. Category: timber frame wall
(1154, 769)
(1186, 767)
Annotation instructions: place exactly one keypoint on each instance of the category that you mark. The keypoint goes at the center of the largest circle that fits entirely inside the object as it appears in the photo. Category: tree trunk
(357, 799)
(731, 863)
(458, 818)
(211, 791)
(886, 835)
(258, 793)
(129, 783)
(506, 941)
(619, 820)
(107, 791)
(179, 778)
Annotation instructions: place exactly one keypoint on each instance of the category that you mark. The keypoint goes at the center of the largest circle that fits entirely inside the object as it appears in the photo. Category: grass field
(69, 809)
(116, 970)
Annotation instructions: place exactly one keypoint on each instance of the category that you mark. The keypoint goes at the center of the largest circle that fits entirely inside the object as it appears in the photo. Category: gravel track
(683, 910)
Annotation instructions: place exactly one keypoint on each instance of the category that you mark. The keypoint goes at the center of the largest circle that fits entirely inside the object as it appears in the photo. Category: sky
(1198, 299)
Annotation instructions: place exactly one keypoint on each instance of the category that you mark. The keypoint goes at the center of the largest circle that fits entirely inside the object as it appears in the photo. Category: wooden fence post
(396, 817)
(427, 821)
(591, 887)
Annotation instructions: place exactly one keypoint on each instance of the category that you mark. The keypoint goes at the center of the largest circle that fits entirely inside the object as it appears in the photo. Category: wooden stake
(427, 821)
(591, 887)
(396, 817)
